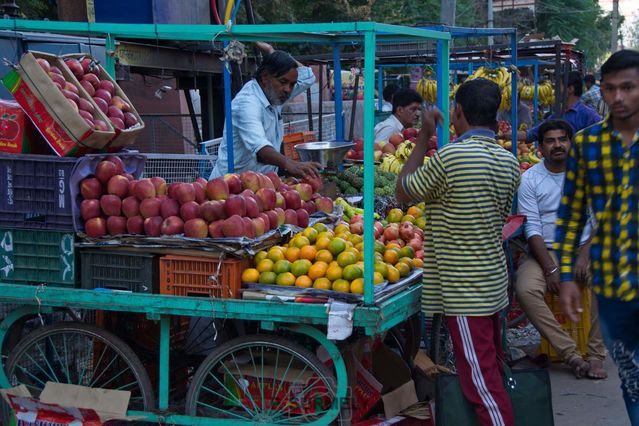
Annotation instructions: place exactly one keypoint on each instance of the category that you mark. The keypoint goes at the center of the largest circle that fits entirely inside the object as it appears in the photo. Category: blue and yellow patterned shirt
(604, 173)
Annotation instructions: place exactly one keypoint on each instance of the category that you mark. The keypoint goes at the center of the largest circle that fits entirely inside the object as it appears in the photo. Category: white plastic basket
(179, 167)
(211, 146)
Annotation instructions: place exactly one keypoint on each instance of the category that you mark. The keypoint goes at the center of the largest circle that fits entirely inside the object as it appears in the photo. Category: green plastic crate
(38, 257)
(119, 270)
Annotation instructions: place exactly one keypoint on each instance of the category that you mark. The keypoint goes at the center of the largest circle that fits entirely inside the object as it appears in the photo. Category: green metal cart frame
(373, 318)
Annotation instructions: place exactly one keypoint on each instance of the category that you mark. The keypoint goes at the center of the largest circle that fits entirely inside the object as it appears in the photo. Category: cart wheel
(262, 379)
(441, 346)
(79, 354)
(405, 337)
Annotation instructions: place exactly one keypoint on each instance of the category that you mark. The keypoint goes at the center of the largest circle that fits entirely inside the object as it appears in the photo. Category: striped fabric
(603, 173)
(468, 188)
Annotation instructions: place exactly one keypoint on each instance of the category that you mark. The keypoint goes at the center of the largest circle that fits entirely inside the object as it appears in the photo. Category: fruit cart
(235, 381)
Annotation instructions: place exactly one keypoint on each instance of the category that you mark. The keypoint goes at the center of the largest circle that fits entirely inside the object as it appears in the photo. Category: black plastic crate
(38, 257)
(35, 193)
(119, 270)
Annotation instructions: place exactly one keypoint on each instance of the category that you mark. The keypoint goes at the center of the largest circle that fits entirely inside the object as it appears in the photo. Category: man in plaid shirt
(592, 97)
(603, 172)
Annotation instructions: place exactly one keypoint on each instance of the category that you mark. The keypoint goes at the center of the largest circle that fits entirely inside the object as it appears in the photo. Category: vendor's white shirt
(256, 124)
(385, 129)
(387, 106)
(538, 198)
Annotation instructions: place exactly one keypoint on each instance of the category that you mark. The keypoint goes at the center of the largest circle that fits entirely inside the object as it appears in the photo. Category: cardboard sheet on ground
(65, 404)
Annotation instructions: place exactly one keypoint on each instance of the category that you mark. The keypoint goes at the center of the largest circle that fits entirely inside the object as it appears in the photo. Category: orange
(415, 211)
(285, 279)
(408, 261)
(355, 239)
(379, 247)
(275, 254)
(333, 263)
(300, 267)
(418, 263)
(261, 255)
(303, 281)
(265, 265)
(308, 253)
(268, 278)
(320, 227)
(322, 284)
(346, 258)
(326, 234)
(311, 234)
(406, 251)
(282, 266)
(352, 272)
(318, 270)
(357, 286)
(393, 274)
(341, 228)
(359, 247)
(420, 222)
(391, 256)
(324, 256)
(322, 243)
(378, 278)
(292, 254)
(403, 269)
(341, 285)
(382, 269)
(378, 257)
(299, 241)
(408, 218)
(250, 275)
(392, 246)
(394, 216)
(334, 272)
(337, 246)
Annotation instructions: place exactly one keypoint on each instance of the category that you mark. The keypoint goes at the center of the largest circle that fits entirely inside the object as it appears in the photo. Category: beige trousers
(530, 289)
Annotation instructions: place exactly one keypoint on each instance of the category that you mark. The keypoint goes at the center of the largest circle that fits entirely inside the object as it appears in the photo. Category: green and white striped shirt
(468, 187)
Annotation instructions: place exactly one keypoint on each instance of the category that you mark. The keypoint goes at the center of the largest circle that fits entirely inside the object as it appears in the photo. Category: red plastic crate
(292, 139)
(201, 276)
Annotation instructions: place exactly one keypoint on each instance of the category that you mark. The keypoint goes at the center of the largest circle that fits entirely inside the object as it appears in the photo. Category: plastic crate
(579, 332)
(196, 276)
(292, 139)
(36, 192)
(119, 270)
(38, 257)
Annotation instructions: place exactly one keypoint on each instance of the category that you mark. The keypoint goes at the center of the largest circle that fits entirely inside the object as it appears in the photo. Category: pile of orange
(328, 259)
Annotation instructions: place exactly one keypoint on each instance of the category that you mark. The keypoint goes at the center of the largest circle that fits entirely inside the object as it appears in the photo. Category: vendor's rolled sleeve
(428, 182)
(528, 205)
(305, 79)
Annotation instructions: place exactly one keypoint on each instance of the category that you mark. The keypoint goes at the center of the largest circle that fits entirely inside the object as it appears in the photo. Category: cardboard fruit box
(125, 137)
(60, 124)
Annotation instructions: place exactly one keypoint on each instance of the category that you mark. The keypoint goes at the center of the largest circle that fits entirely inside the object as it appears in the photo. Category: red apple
(234, 183)
(249, 228)
(217, 189)
(59, 79)
(101, 103)
(130, 206)
(92, 79)
(105, 170)
(101, 125)
(169, 207)
(75, 66)
(293, 199)
(103, 94)
(302, 218)
(90, 208)
(108, 86)
(144, 188)
(172, 225)
(118, 185)
(150, 207)
(216, 230)
(95, 227)
(196, 228)
(290, 216)
(135, 225)
(235, 205)
(153, 226)
(233, 226)
(190, 210)
(212, 210)
(268, 197)
(46, 66)
(111, 204)
(116, 225)
(184, 193)
(88, 87)
(250, 181)
(90, 188)
(160, 185)
(272, 218)
(275, 179)
(259, 226)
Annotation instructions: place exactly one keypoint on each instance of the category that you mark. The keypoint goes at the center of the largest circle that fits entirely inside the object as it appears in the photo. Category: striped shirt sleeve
(428, 182)
(572, 213)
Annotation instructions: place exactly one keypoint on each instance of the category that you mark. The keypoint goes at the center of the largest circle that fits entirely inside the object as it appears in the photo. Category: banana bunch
(350, 211)
(532, 158)
(500, 75)
(390, 163)
(506, 99)
(404, 150)
(427, 89)
(527, 92)
(453, 91)
(546, 93)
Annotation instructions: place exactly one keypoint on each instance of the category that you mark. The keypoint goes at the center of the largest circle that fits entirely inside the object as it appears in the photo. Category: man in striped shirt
(468, 187)
(602, 171)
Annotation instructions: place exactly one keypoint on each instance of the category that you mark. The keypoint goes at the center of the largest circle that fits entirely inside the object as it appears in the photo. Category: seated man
(538, 197)
(407, 107)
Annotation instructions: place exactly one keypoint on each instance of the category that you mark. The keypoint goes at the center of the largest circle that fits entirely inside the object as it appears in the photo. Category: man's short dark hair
(557, 124)
(575, 79)
(479, 99)
(589, 78)
(621, 60)
(277, 63)
(389, 91)
(405, 97)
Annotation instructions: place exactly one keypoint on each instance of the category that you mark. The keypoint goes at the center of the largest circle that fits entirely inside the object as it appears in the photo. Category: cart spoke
(46, 360)
(103, 385)
(63, 365)
(241, 386)
(64, 341)
(115, 357)
(24, 370)
(95, 366)
(39, 368)
(282, 404)
(228, 394)
(86, 363)
(279, 387)
(228, 413)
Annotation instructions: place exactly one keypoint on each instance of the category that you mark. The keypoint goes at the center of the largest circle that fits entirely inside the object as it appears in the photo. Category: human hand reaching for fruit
(303, 168)
(430, 119)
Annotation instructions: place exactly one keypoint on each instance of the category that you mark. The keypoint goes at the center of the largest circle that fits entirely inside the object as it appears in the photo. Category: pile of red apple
(244, 205)
(87, 71)
(402, 234)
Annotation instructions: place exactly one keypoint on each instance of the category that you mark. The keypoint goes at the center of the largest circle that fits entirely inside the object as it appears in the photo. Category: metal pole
(380, 88)
(448, 12)
(165, 332)
(615, 25)
(514, 104)
(189, 104)
(443, 131)
(320, 103)
(228, 120)
(490, 21)
(536, 94)
(354, 108)
(369, 165)
(337, 84)
(558, 70)
(309, 109)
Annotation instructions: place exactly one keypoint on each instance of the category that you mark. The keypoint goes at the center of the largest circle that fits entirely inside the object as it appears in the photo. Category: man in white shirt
(407, 108)
(539, 198)
(257, 118)
(387, 94)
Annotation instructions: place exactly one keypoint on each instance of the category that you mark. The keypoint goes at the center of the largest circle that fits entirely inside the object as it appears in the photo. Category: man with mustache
(539, 198)
(257, 117)
(407, 108)
(602, 172)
